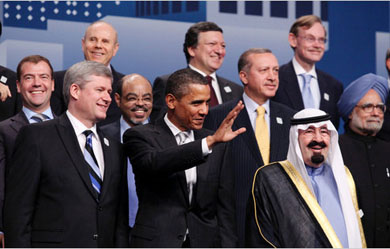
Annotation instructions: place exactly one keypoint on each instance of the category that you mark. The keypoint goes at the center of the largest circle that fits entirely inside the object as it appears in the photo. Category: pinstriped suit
(245, 157)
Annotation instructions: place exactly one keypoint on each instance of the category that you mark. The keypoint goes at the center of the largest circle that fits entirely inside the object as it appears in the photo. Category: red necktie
(213, 97)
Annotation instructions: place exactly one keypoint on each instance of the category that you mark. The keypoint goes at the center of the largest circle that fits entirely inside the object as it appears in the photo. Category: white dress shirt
(79, 128)
(314, 87)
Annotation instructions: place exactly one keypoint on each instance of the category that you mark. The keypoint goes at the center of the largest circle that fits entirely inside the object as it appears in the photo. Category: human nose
(317, 136)
(107, 97)
(204, 109)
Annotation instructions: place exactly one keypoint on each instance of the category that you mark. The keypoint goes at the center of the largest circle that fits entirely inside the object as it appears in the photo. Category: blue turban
(357, 89)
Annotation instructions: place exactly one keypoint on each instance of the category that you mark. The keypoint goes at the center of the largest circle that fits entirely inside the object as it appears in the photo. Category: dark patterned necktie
(94, 171)
(213, 96)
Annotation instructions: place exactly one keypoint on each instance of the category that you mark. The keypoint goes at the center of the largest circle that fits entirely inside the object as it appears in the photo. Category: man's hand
(225, 132)
(2, 240)
(4, 92)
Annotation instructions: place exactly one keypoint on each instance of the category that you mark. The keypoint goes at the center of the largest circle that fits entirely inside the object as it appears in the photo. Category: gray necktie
(307, 96)
(39, 117)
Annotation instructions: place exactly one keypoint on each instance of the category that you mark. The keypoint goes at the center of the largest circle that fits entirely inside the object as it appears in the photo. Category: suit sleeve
(226, 205)
(148, 157)
(2, 177)
(21, 189)
(158, 98)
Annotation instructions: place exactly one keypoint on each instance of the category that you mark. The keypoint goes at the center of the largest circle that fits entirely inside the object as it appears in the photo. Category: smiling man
(309, 200)
(184, 184)
(66, 185)
(134, 98)
(302, 85)
(100, 44)
(34, 84)
(266, 139)
(362, 107)
(205, 50)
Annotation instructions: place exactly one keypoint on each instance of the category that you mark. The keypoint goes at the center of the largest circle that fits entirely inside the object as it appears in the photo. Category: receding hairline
(100, 22)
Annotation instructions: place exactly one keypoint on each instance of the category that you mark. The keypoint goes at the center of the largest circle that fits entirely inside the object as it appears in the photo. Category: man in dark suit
(100, 44)
(184, 186)
(302, 85)
(10, 102)
(35, 84)
(134, 98)
(258, 70)
(66, 182)
(204, 48)
(385, 131)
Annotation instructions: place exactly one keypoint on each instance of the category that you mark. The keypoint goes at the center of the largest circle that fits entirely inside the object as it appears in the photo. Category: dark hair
(244, 63)
(387, 58)
(192, 35)
(179, 81)
(33, 59)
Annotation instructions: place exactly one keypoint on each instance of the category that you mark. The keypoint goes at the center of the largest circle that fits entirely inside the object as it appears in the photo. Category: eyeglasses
(312, 39)
(368, 108)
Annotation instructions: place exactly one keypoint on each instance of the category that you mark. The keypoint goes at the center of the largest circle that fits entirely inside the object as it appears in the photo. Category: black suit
(229, 90)
(11, 105)
(164, 212)
(9, 129)
(58, 105)
(245, 157)
(113, 130)
(289, 92)
(50, 201)
(384, 133)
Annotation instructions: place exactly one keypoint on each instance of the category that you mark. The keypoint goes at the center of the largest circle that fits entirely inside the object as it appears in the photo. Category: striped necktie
(39, 117)
(94, 171)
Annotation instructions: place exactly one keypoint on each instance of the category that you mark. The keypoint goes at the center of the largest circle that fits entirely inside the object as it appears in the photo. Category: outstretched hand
(225, 132)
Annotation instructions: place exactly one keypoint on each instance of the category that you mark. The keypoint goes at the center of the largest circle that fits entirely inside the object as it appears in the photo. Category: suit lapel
(18, 121)
(292, 88)
(68, 137)
(165, 139)
(277, 124)
(323, 92)
(224, 94)
(107, 154)
(201, 173)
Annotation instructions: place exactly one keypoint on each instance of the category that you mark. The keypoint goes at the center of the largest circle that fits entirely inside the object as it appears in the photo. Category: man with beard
(302, 84)
(362, 108)
(309, 200)
(134, 98)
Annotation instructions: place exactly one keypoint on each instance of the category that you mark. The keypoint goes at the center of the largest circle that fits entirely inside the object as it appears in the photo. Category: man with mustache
(184, 184)
(362, 107)
(204, 49)
(308, 200)
(258, 70)
(134, 98)
(302, 85)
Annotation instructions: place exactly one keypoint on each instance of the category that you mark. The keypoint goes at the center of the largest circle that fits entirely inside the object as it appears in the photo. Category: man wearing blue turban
(362, 106)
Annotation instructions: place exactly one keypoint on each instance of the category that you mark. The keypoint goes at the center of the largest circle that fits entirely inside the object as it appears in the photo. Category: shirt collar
(79, 127)
(251, 105)
(29, 113)
(176, 130)
(213, 75)
(299, 69)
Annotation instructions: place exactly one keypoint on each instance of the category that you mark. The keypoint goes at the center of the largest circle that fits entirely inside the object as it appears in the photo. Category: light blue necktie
(307, 97)
(94, 171)
(133, 199)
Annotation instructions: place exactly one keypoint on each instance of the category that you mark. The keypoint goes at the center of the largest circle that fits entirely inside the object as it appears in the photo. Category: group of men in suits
(190, 186)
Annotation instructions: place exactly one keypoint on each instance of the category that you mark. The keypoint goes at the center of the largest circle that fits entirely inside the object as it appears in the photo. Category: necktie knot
(209, 79)
(87, 133)
(39, 117)
(307, 96)
(260, 111)
(306, 79)
(182, 137)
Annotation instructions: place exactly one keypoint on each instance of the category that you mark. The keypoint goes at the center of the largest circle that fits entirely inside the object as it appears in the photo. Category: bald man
(135, 100)
(100, 44)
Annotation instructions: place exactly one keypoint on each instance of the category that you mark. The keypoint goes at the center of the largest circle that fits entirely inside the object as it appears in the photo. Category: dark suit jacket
(113, 130)
(245, 157)
(12, 105)
(8, 131)
(49, 197)
(289, 93)
(57, 102)
(384, 133)
(159, 84)
(164, 211)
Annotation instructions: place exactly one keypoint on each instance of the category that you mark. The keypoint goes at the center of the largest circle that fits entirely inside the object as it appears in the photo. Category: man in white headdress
(309, 200)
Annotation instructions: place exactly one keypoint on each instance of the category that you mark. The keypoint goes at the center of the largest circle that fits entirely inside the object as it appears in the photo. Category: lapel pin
(106, 142)
(326, 96)
(3, 79)
(279, 120)
(227, 89)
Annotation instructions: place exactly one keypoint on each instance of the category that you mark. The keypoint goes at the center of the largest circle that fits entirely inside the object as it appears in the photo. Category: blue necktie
(39, 117)
(307, 96)
(133, 199)
(94, 171)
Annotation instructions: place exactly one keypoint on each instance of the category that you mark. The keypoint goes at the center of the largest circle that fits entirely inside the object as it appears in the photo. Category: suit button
(100, 208)
(95, 237)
